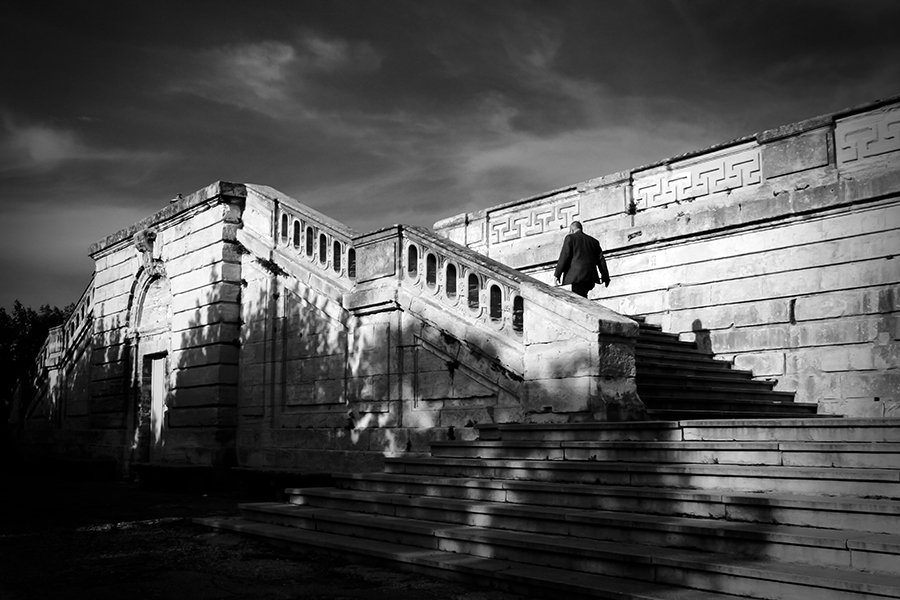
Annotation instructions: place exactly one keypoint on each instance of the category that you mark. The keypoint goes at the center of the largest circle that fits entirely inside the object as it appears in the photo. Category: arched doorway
(151, 335)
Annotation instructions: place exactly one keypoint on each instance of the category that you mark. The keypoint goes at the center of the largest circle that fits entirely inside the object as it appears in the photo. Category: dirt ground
(117, 541)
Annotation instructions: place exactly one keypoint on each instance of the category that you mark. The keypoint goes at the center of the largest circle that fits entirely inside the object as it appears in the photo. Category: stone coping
(769, 135)
(313, 215)
(210, 192)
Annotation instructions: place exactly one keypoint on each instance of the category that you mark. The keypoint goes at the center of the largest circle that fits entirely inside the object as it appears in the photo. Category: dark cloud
(389, 111)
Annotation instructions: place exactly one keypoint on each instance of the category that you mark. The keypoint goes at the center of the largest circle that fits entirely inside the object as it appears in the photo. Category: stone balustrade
(462, 283)
(307, 237)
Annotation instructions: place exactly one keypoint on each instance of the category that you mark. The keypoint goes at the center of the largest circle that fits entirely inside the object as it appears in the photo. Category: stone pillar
(579, 360)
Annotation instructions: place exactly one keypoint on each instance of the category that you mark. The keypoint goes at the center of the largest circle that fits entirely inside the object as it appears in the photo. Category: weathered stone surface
(761, 363)
(796, 153)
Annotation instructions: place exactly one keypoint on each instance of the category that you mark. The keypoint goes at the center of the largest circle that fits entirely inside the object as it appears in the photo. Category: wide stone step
(805, 545)
(692, 569)
(515, 577)
(694, 375)
(679, 414)
(715, 366)
(723, 403)
(698, 389)
(884, 483)
(659, 337)
(852, 513)
(680, 351)
(805, 429)
(858, 455)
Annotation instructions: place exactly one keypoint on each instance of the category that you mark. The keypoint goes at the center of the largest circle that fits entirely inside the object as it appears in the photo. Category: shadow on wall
(702, 336)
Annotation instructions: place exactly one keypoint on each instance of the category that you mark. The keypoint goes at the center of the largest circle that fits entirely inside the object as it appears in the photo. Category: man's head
(575, 227)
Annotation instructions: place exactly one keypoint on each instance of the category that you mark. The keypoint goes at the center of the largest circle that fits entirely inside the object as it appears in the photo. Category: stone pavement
(108, 540)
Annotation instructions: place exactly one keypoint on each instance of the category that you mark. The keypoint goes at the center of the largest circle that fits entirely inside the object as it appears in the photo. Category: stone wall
(357, 347)
(778, 251)
(166, 289)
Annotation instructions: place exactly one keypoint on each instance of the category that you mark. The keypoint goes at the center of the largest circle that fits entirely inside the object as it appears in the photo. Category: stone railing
(462, 282)
(310, 239)
(61, 339)
(575, 358)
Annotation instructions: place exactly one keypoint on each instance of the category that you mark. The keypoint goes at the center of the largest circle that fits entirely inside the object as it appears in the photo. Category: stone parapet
(773, 248)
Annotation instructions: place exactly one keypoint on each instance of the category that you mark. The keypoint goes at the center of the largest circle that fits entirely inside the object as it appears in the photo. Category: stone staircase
(769, 509)
(761, 498)
(679, 380)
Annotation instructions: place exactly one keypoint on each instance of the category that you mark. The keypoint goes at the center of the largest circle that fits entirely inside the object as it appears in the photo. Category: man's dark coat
(580, 258)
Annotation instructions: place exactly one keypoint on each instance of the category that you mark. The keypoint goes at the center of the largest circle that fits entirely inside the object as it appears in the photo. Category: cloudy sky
(385, 111)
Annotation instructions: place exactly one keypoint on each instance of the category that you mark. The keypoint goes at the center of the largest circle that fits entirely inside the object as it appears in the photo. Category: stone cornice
(211, 192)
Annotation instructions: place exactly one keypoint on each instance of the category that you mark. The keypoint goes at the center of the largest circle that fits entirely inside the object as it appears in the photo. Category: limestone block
(795, 153)
(812, 387)
(257, 373)
(433, 385)
(315, 307)
(107, 370)
(107, 420)
(388, 441)
(856, 408)
(109, 402)
(252, 395)
(113, 306)
(320, 367)
(547, 328)
(460, 418)
(205, 275)
(207, 355)
(560, 360)
(200, 297)
(364, 364)
(885, 356)
(202, 417)
(542, 248)
(843, 331)
(299, 394)
(761, 363)
(300, 344)
(227, 333)
(848, 303)
(561, 395)
(368, 299)
(476, 231)
(113, 353)
(377, 260)
(206, 375)
(208, 215)
(212, 395)
(347, 439)
(882, 385)
(420, 439)
(368, 388)
(367, 336)
(220, 312)
(617, 400)
(195, 258)
(751, 339)
(414, 417)
(106, 292)
(329, 391)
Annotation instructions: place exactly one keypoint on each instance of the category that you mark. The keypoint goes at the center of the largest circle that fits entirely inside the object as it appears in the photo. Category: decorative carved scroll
(719, 174)
(145, 242)
(516, 225)
(870, 135)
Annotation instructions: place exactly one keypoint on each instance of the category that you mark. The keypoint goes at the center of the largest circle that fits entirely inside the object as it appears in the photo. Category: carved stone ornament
(144, 242)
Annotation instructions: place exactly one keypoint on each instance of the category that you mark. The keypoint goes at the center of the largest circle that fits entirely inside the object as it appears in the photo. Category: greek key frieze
(517, 225)
(719, 174)
(867, 136)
